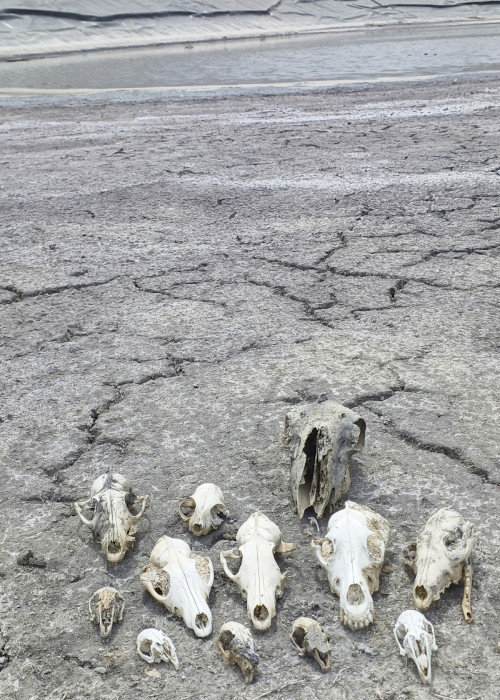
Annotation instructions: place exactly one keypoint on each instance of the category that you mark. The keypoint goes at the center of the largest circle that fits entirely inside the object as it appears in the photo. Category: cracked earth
(174, 276)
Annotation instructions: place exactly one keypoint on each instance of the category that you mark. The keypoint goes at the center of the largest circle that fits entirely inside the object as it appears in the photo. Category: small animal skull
(114, 524)
(236, 646)
(442, 556)
(154, 646)
(321, 438)
(106, 607)
(181, 581)
(308, 637)
(352, 554)
(259, 577)
(415, 637)
(203, 511)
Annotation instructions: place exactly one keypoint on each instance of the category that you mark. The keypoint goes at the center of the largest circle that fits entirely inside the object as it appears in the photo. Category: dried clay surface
(175, 276)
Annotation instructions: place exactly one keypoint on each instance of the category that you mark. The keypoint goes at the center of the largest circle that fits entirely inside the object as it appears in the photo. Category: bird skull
(236, 646)
(321, 438)
(352, 554)
(113, 524)
(154, 646)
(308, 637)
(106, 607)
(181, 581)
(259, 577)
(415, 637)
(203, 511)
(442, 556)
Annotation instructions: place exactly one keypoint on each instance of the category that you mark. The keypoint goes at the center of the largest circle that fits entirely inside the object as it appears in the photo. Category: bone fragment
(236, 646)
(308, 637)
(106, 607)
(415, 637)
(154, 646)
(204, 510)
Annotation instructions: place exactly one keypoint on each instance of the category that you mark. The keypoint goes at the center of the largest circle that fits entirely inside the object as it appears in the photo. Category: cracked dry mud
(175, 275)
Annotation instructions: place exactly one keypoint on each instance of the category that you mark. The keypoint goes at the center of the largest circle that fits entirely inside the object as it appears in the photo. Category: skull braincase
(308, 637)
(203, 511)
(154, 646)
(321, 437)
(352, 554)
(443, 557)
(259, 577)
(236, 646)
(181, 581)
(114, 524)
(106, 607)
(415, 637)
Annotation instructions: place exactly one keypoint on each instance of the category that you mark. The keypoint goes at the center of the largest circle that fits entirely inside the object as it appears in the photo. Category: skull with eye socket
(442, 556)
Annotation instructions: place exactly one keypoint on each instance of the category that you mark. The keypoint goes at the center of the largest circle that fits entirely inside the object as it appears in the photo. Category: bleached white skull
(321, 438)
(308, 637)
(352, 554)
(154, 646)
(181, 580)
(106, 607)
(442, 556)
(114, 524)
(259, 577)
(415, 637)
(204, 510)
(236, 646)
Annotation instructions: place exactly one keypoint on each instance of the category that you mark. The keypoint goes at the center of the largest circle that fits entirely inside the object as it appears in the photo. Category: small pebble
(100, 669)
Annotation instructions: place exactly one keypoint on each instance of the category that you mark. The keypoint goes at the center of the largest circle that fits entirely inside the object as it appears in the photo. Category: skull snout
(357, 608)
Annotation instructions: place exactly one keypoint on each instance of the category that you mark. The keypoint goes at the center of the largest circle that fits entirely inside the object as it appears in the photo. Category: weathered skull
(259, 577)
(203, 511)
(415, 637)
(105, 607)
(154, 646)
(236, 646)
(321, 438)
(181, 581)
(352, 554)
(308, 637)
(114, 524)
(442, 556)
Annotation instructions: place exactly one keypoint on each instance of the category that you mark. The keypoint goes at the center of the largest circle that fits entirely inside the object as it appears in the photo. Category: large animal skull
(259, 577)
(236, 646)
(321, 438)
(442, 556)
(415, 637)
(308, 637)
(154, 646)
(181, 581)
(203, 511)
(105, 607)
(352, 554)
(114, 524)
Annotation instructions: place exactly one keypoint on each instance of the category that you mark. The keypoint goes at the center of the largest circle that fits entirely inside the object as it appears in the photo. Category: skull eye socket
(145, 647)
(298, 636)
(187, 510)
(453, 540)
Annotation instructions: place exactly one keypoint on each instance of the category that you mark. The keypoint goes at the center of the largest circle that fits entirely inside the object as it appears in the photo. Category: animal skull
(442, 556)
(114, 524)
(203, 510)
(308, 637)
(352, 554)
(236, 646)
(415, 637)
(181, 581)
(321, 438)
(259, 577)
(105, 607)
(154, 646)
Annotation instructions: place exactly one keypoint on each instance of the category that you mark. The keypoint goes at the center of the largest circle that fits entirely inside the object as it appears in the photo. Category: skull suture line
(114, 525)
(415, 637)
(203, 511)
(352, 554)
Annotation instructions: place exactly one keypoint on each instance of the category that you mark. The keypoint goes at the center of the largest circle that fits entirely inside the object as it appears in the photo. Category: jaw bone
(308, 637)
(106, 607)
(259, 577)
(442, 556)
(352, 554)
(415, 637)
(321, 438)
(181, 581)
(154, 646)
(203, 511)
(113, 524)
(236, 646)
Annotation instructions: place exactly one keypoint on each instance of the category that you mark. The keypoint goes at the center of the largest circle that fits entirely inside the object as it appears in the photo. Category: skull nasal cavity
(146, 646)
(261, 612)
(355, 595)
(421, 592)
(114, 547)
(201, 620)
